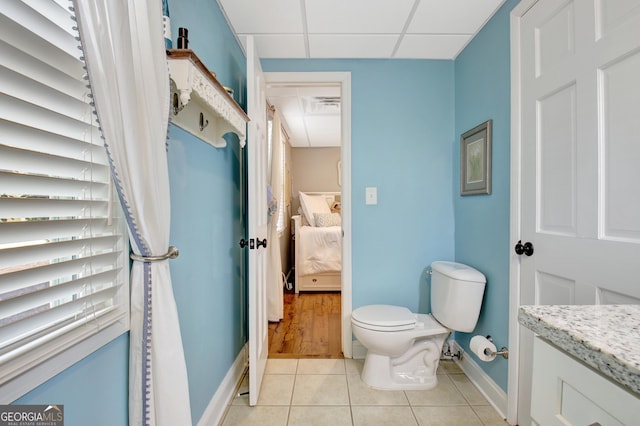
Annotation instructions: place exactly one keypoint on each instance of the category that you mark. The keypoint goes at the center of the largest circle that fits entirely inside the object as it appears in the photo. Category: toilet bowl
(403, 348)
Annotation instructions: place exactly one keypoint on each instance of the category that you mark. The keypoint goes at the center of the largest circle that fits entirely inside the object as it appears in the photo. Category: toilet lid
(384, 317)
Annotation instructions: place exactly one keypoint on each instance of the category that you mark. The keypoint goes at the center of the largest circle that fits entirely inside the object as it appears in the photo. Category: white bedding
(320, 249)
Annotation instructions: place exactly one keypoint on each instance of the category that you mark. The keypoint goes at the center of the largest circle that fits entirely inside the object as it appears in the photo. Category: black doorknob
(526, 248)
(262, 243)
(243, 243)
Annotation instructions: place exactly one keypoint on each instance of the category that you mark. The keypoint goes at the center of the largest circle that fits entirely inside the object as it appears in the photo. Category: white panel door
(257, 227)
(580, 157)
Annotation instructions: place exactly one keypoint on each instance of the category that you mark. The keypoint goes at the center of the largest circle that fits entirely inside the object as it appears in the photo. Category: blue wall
(94, 391)
(401, 143)
(482, 87)
(206, 225)
(206, 217)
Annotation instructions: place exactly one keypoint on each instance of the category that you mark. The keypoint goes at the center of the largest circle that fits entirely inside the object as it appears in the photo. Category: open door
(578, 204)
(257, 226)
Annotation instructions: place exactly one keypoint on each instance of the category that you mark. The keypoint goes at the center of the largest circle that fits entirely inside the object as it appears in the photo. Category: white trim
(344, 79)
(34, 377)
(485, 384)
(515, 215)
(218, 404)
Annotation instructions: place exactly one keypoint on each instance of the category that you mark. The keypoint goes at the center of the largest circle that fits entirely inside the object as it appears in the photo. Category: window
(281, 164)
(63, 244)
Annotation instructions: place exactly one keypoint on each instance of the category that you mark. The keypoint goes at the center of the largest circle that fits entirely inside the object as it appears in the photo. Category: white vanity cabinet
(565, 391)
(586, 364)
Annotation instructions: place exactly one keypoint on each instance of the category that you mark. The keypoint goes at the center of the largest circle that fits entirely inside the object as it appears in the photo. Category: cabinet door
(567, 392)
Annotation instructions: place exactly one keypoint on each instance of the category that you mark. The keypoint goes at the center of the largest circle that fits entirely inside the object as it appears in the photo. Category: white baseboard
(485, 384)
(226, 391)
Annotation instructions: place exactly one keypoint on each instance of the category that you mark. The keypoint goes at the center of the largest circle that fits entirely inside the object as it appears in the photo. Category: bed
(318, 243)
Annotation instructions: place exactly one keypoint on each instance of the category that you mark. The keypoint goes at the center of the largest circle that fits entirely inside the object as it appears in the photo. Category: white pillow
(330, 219)
(312, 204)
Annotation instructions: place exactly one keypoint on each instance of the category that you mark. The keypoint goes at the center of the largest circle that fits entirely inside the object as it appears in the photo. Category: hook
(203, 123)
(176, 104)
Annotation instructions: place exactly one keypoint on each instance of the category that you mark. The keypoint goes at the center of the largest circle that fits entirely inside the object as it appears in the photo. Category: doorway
(342, 324)
(310, 327)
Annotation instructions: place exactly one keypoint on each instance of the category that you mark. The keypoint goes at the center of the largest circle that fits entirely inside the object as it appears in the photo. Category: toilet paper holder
(504, 352)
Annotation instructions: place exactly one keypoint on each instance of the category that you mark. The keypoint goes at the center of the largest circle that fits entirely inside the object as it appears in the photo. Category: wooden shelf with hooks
(199, 103)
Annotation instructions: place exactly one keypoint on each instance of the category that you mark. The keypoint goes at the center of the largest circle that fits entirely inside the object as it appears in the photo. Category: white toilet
(403, 348)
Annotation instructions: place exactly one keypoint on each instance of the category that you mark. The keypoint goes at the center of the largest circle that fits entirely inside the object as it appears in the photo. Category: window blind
(63, 242)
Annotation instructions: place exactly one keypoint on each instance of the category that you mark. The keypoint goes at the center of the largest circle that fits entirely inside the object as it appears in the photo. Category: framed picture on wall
(475, 160)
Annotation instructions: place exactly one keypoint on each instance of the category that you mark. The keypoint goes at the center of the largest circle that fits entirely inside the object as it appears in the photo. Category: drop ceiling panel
(297, 131)
(351, 46)
(286, 102)
(263, 17)
(404, 29)
(288, 106)
(357, 16)
(310, 114)
(297, 134)
(369, 22)
(431, 46)
(452, 16)
(323, 130)
(271, 46)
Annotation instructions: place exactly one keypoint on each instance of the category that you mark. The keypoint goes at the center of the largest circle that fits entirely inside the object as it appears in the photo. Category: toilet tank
(456, 295)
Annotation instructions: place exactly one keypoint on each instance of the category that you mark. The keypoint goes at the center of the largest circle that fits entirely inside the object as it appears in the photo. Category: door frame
(514, 382)
(344, 80)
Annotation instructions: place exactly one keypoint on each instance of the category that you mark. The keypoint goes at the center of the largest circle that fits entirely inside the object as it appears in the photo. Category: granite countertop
(605, 337)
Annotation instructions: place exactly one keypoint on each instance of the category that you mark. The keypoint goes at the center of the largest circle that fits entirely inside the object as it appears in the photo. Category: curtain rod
(273, 109)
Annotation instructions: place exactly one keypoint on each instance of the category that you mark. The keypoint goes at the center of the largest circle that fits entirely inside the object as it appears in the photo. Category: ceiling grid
(348, 29)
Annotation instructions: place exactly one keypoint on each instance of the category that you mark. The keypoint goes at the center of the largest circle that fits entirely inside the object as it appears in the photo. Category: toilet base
(414, 370)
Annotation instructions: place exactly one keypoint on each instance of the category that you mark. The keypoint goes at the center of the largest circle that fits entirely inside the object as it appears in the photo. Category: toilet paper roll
(480, 344)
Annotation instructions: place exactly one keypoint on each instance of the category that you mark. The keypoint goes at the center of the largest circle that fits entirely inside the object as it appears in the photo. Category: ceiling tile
(351, 46)
(426, 29)
(323, 130)
(277, 46)
(263, 17)
(431, 46)
(297, 132)
(289, 107)
(452, 16)
(357, 16)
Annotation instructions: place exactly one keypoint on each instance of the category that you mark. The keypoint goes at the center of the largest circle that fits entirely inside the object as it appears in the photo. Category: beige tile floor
(313, 392)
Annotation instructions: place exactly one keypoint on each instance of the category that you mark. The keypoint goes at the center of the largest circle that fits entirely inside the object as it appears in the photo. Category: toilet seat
(384, 318)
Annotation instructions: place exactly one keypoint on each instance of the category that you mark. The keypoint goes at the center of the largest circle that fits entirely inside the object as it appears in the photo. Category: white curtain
(124, 50)
(275, 293)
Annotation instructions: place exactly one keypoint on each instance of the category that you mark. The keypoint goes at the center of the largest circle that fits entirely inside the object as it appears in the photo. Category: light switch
(371, 195)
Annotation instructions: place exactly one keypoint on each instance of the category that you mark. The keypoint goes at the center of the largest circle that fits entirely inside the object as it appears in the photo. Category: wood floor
(310, 327)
